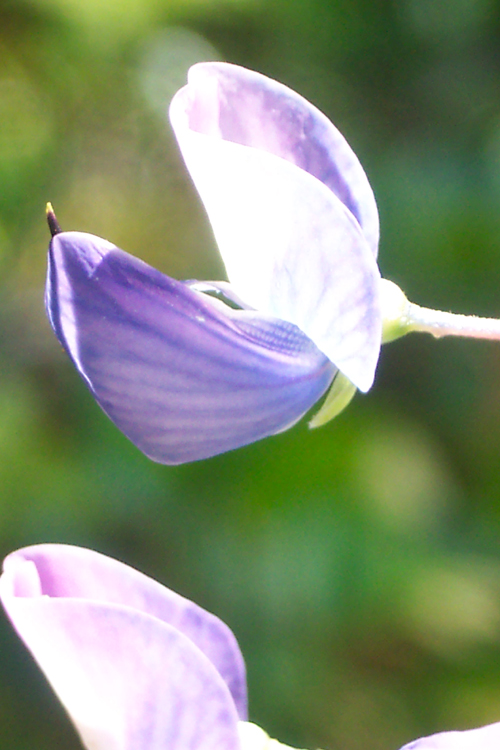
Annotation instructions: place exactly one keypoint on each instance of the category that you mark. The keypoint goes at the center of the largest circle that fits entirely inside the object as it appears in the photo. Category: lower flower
(137, 666)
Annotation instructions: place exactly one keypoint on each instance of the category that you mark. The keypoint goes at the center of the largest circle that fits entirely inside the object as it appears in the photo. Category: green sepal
(339, 396)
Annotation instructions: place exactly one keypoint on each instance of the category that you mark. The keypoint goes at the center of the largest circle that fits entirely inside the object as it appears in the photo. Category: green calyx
(252, 737)
(396, 321)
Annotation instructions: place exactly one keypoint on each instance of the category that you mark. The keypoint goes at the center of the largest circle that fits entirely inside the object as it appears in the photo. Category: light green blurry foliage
(359, 563)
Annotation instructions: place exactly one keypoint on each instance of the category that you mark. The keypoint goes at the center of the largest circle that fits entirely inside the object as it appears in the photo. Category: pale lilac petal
(128, 680)
(245, 107)
(66, 571)
(181, 374)
(485, 738)
(290, 246)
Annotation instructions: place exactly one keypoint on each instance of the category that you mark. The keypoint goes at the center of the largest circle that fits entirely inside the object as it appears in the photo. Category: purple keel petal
(65, 571)
(239, 105)
(485, 738)
(291, 247)
(127, 680)
(182, 375)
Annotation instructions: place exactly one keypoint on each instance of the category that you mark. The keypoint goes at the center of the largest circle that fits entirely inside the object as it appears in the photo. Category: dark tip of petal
(52, 220)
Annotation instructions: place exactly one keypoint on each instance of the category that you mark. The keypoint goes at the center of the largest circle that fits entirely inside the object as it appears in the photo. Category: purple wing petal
(182, 375)
(239, 105)
(291, 247)
(127, 680)
(485, 738)
(72, 572)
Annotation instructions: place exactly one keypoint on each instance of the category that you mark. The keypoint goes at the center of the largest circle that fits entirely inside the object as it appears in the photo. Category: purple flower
(485, 738)
(137, 666)
(185, 376)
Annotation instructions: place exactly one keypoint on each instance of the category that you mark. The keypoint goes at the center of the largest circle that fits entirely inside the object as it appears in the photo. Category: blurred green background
(358, 565)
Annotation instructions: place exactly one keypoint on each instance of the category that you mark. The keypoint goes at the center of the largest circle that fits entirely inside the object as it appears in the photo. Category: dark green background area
(359, 564)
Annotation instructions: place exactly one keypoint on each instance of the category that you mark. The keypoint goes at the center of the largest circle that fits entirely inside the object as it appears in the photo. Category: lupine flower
(136, 666)
(185, 375)
(484, 738)
(139, 667)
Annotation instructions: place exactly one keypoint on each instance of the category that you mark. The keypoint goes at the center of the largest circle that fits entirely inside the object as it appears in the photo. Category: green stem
(401, 317)
(449, 324)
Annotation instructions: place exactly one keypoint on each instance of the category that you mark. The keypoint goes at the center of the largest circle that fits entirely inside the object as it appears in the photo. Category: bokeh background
(359, 564)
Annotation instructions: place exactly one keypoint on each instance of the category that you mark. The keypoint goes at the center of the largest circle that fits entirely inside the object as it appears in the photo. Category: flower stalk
(440, 323)
(400, 317)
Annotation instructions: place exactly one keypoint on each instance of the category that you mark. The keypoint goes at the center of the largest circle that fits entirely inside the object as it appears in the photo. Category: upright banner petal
(292, 248)
(239, 105)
